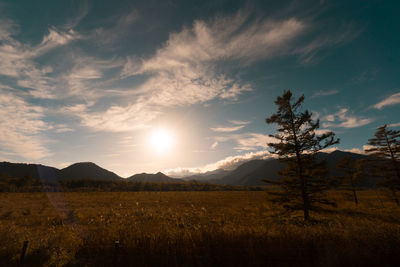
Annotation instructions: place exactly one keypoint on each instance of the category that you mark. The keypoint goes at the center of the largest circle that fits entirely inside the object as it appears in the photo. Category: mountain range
(77, 171)
(252, 172)
(249, 173)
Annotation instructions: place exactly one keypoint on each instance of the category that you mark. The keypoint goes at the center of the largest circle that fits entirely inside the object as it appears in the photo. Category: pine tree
(351, 170)
(304, 180)
(385, 154)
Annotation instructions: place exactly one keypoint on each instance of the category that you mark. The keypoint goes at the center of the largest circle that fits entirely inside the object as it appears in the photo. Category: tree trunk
(395, 198)
(392, 157)
(304, 195)
(355, 196)
(353, 188)
(306, 207)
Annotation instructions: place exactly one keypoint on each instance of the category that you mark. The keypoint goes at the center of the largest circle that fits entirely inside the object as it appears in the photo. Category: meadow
(221, 228)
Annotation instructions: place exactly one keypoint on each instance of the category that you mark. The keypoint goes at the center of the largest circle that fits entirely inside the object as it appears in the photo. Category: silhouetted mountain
(211, 175)
(20, 170)
(334, 157)
(159, 177)
(87, 171)
(249, 173)
(252, 172)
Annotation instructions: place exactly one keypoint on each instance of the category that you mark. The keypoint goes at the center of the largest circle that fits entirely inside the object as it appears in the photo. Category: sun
(161, 140)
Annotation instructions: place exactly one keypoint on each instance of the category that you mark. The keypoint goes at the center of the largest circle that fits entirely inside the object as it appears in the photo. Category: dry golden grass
(194, 229)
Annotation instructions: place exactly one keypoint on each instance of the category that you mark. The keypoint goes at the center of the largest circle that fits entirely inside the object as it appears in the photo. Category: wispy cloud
(253, 141)
(228, 163)
(389, 101)
(53, 39)
(83, 10)
(187, 69)
(115, 119)
(233, 162)
(322, 131)
(394, 124)
(21, 125)
(238, 122)
(214, 145)
(227, 129)
(85, 79)
(247, 141)
(344, 119)
(60, 128)
(224, 38)
(368, 75)
(342, 35)
(17, 60)
(321, 93)
(109, 35)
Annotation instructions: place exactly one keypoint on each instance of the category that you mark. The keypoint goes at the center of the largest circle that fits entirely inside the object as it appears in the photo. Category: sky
(185, 86)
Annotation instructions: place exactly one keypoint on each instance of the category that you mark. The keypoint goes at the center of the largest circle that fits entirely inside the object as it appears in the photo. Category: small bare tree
(351, 173)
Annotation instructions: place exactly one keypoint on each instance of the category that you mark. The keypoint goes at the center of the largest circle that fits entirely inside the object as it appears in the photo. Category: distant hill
(159, 177)
(77, 171)
(87, 171)
(20, 170)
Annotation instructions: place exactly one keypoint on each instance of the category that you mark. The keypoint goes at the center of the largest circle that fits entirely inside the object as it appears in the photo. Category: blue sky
(94, 80)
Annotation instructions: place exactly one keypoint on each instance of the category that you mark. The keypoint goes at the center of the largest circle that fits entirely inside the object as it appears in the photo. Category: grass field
(194, 229)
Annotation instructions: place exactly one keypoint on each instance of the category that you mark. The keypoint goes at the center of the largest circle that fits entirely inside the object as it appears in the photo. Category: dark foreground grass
(194, 229)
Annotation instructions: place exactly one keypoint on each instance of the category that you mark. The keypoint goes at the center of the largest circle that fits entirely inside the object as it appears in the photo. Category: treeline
(29, 184)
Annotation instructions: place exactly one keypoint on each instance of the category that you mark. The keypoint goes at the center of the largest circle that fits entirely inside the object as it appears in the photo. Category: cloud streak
(344, 119)
(238, 122)
(247, 141)
(322, 93)
(389, 101)
(17, 60)
(227, 129)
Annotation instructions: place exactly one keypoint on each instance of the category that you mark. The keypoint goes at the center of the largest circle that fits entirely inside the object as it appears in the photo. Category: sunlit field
(194, 229)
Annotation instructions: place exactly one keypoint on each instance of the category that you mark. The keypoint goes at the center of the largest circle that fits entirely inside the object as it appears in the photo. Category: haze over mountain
(249, 173)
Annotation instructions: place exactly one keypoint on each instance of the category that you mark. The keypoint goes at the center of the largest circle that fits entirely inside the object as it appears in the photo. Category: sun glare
(161, 140)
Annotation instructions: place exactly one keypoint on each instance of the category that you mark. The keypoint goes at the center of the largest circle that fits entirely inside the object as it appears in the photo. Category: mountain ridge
(152, 178)
(76, 171)
(252, 172)
(249, 173)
